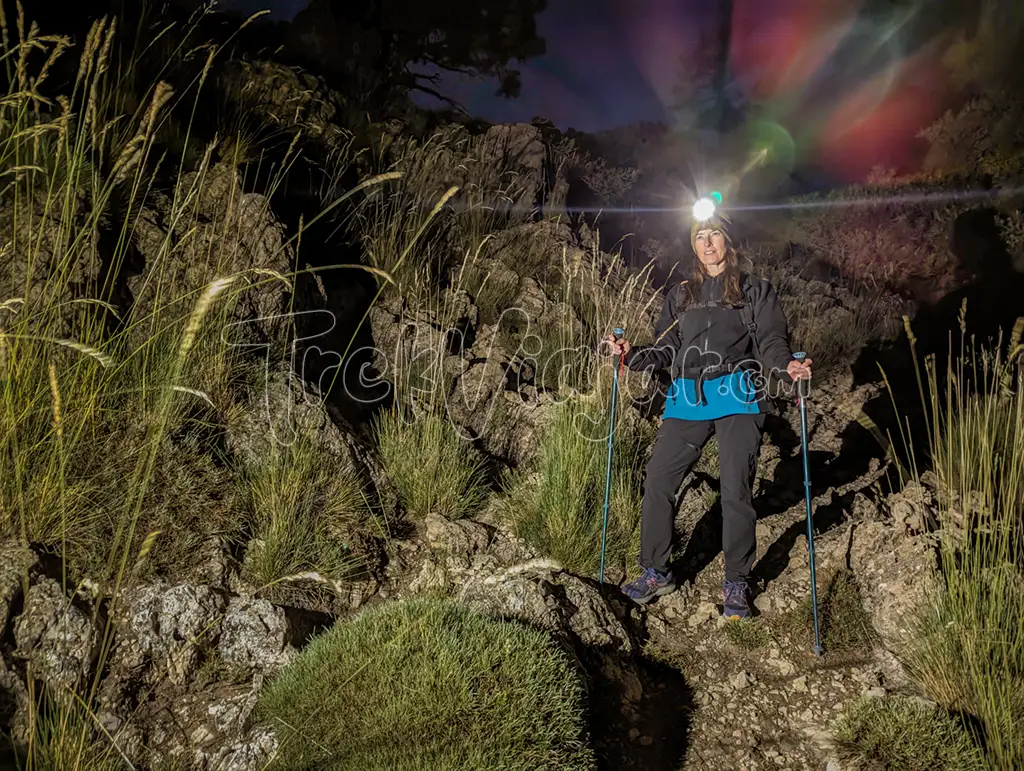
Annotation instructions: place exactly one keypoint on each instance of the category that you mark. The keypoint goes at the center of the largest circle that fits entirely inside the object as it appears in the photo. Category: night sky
(832, 88)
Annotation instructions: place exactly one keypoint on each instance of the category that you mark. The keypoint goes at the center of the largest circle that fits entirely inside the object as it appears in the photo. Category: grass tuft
(557, 502)
(434, 469)
(303, 506)
(748, 635)
(968, 652)
(903, 735)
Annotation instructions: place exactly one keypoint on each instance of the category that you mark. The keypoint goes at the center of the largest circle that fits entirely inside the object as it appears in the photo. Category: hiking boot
(649, 585)
(736, 600)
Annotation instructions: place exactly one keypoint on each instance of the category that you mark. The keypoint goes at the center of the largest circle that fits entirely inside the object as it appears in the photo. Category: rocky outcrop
(896, 573)
(229, 233)
(498, 575)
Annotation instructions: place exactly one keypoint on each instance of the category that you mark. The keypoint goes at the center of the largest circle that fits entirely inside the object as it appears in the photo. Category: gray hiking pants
(677, 447)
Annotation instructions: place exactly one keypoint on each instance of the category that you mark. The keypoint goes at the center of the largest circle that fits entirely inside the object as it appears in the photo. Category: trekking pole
(611, 433)
(801, 389)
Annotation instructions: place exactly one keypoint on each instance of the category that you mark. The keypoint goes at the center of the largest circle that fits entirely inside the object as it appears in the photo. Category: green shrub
(900, 735)
(557, 502)
(429, 684)
(433, 468)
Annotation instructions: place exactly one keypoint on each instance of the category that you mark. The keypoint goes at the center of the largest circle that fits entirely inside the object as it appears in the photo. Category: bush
(429, 684)
(902, 735)
(881, 236)
(433, 468)
(557, 503)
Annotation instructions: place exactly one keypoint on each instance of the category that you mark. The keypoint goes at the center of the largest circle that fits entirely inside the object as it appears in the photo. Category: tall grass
(898, 733)
(968, 652)
(111, 413)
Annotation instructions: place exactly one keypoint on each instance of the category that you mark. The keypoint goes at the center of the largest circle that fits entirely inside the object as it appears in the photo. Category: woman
(720, 333)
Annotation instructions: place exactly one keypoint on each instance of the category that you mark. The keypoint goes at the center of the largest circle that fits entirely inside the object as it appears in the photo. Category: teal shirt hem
(732, 394)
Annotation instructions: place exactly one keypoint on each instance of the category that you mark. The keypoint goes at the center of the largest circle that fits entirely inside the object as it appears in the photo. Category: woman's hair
(732, 292)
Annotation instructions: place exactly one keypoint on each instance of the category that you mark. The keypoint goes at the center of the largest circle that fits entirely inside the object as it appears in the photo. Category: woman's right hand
(616, 346)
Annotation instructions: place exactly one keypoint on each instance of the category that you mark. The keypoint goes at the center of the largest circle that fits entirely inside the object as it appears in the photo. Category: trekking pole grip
(803, 386)
(619, 332)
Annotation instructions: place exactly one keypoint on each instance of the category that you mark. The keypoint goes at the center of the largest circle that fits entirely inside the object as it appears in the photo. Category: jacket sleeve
(772, 331)
(662, 352)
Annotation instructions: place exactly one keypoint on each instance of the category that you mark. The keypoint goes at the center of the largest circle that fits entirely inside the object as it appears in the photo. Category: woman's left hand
(800, 370)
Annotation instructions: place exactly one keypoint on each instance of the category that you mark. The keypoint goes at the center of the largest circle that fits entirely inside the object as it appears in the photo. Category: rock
(543, 595)
(459, 539)
(706, 611)
(14, 705)
(252, 751)
(896, 574)
(240, 229)
(784, 667)
(253, 635)
(208, 730)
(15, 563)
(214, 563)
(540, 594)
(55, 636)
(913, 508)
(168, 626)
(431, 578)
(741, 680)
(672, 606)
(799, 684)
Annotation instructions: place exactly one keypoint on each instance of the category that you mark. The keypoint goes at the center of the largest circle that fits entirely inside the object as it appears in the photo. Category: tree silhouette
(376, 48)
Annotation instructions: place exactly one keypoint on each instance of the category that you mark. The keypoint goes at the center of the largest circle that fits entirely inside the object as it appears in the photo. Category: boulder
(253, 635)
(55, 636)
(896, 574)
(238, 228)
(208, 731)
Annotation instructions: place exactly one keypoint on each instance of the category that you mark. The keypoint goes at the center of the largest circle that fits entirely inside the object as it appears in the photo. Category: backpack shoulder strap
(747, 314)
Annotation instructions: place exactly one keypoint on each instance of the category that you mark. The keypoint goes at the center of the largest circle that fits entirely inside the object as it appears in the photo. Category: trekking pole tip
(818, 651)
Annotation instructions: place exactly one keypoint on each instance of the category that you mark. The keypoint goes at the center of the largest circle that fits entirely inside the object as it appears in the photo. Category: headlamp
(704, 209)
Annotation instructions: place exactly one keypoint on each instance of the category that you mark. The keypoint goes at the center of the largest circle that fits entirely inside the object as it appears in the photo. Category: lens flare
(703, 210)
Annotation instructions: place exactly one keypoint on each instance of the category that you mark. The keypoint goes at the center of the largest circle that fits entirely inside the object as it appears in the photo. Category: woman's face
(710, 247)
